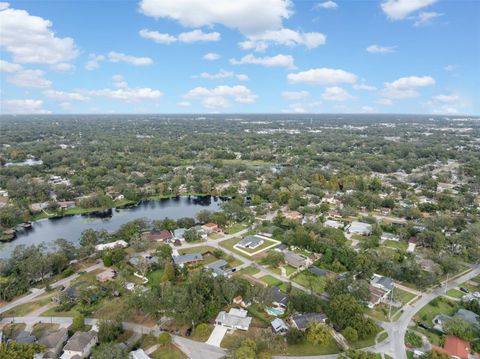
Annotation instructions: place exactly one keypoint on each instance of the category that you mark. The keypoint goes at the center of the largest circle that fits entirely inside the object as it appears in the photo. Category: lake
(71, 227)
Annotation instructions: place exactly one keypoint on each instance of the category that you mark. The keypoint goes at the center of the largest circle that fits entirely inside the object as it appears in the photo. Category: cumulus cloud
(426, 18)
(22, 107)
(446, 98)
(211, 56)
(29, 39)
(65, 96)
(132, 60)
(29, 79)
(218, 97)
(94, 61)
(187, 37)
(248, 16)
(295, 95)
(184, 104)
(223, 74)
(377, 49)
(327, 5)
(285, 37)
(336, 93)
(267, 61)
(400, 9)
(364, 87)
(62, 67)
(127, 94)
(405, 87)
(322, 76)
(9, 67)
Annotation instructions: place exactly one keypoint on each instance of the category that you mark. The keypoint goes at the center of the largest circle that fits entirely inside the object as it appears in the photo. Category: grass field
(24, 309)
(395, 244)
(310, 281)
(436, 306)
(168, 352)
(455, 293)
(271, 281)
(248, 271)
(234, 228)
(402, 295)
(155, 277)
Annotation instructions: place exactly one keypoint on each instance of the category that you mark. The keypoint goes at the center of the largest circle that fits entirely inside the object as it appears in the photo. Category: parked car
(464, 290)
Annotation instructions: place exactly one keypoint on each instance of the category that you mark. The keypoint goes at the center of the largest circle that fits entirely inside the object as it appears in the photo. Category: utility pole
(446, 282)
(390, 306)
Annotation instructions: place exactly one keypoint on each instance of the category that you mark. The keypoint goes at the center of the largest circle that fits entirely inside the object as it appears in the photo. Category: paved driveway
(217, 335)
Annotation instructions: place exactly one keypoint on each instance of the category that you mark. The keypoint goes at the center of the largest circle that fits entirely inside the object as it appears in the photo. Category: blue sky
(193, 56)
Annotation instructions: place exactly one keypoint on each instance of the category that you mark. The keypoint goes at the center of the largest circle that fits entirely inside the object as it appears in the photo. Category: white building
(333, 224)
(364, 229)
(80, 345)
(117, 244)
(234, 319)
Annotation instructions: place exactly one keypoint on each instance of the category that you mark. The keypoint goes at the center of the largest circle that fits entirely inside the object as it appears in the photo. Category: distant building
(333, 224)
(296, 260)
(412, 244)
(159, 236)
(117, 244)
(106, 275)
(211, 228)
(319, 272)
(138, 354)
(234, 319)
(468, 316)
(364, 229)
(179, 233)
(293, 215)
(382, 282)
(389, 237)
(80, 345)
(218, 268)
(302, 321)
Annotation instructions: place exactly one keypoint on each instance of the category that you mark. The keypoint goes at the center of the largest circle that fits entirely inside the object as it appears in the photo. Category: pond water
(71, 227)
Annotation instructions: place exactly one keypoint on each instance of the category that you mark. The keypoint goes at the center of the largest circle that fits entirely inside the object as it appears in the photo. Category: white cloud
(425, 18)
(326, 5)
(4, 5)
(364, 87)
(30, 39)
(187, 37)
(296, 108)
(217, 97)
(184, 104)
(295, 95)
(65, 96)
(322, 76)
(117, 77)
(377, 49)
(446, 98)
(450, 67)
(9, 67)
(385, 102)
(127, 94)
(285, 37)
(367, 109)
(22, 107)
(94, 61)
(405, 87)
(121, 84)
(267, 61)
(336, 93)
(248, 16)
(132, 60)
(62, 67)
(211, 56)
(158, 37)
(223, 74)
(198, 35)
(400, 9)
(446, 110)
(29, 79)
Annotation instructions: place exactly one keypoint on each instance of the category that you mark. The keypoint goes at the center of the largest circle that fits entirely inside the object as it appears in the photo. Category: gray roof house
(138, 354)
(280, 298)
(318, 271)
(234, 319)
(296, 260)
(279, 326)
(80, 344)
(250, 242)
(386, 236)
(382, 282)
(25, 337)
(189, 259)
(468, 316)
(217, 268)
(179, 233)
(301, 321)
(356, 227)
(53, 342)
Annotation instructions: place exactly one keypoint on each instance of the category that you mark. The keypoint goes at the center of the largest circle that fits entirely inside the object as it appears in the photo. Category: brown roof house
(80, 345)
(53, 342)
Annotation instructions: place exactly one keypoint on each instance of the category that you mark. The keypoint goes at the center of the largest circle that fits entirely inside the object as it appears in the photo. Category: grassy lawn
(380, 312)
(168, 352)
(110, 308)
(476, 279)
(23, 309)
(471, 286)
(155, 277)
(455, 293)
(53, 313)
(199, 249)
(248, 271)
(229, 243)
(306, 349)
(310, 281)
(402, 295)
(12, 330)
(271, 281)
(382, 337)
(394, 244)
(433, 337)
(234, 228)
(288, 269)
(201, 337)
(436, 306)
(40, 328)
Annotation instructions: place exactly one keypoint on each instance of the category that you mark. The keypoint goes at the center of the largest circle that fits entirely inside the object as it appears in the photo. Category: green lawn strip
(199, 249)
(395, 244)
(24, 309)
(382, 337)
(248, 271)
(307, 349)
(168, 352)
(270, 280)
(433, 337)
(155, 277)
(476, 279)
(310, 281)
(403, 296)
(234, 228)
(455, 293)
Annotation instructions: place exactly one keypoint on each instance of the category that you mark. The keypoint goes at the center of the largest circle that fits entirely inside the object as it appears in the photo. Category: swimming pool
(274, 311)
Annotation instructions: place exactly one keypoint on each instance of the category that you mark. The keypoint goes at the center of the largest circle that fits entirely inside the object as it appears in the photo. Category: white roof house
(389, 237)
(279, 326)
(138, 354)
(234, 319)
(333, 224)
(365, 229)
(117, 244)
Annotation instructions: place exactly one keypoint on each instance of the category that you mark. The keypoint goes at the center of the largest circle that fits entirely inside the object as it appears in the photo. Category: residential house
(319, 272)
(301, 321)
(139, 260)
(106, 275)
(267, 232)
(334, 213)
(117, 244)
(333, 224)
(53, 342)
(296, 260)
(234, 319)
(189, 259)
(468, 316)
(454, 347)
(211, 228)
(251, 242)
(218, 268)
(159, 236)
(179, 234)
(364, 229)
(38, 207)
(66, 204)
(138, 354)
(439, 321)
(80, 345)
(293, 215)
(389, 237)
(279, 299)
(25, 337)
(279, 326)
(412, 244)
(382, 282)
(380, 288)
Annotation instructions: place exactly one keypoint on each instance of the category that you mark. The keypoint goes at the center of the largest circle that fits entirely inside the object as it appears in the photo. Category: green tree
(318, 333)
(109, 351)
